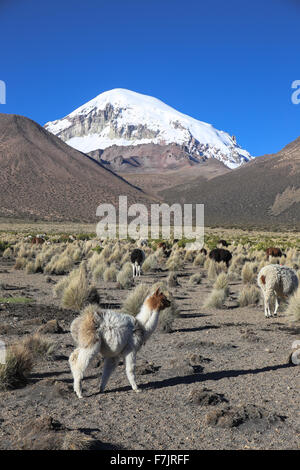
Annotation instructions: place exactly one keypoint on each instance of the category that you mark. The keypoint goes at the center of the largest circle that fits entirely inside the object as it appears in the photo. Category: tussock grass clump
(293, 309)
(196, 278)
(20, 262)
(99, 270)
(150, 263)
(249, 295)
(110, 274)
(59, 264)
(249, 273)
(199, 260)
(125, 258)
(134, 301)
(215, 299)
(20, 359)
(30, 267)
(38, 345)
(77, 290)
(174, 263)
(221, 283)
(7, 253)
(172, 280)
(124, 277)
(190, 256)
(18, 365)
(212, 270)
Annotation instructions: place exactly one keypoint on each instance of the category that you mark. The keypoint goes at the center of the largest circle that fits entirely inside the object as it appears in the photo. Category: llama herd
(116, 335)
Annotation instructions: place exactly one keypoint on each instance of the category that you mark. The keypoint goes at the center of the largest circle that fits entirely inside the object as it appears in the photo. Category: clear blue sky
(230, 63)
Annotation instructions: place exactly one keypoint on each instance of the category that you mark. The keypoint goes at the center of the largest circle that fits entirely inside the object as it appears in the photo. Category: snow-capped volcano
(124, 118)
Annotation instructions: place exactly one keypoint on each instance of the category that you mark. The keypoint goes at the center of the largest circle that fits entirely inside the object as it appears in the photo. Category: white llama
(278, 281)
(114, 335)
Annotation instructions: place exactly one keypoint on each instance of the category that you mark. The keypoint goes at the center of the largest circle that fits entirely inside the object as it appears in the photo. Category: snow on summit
(122, 117)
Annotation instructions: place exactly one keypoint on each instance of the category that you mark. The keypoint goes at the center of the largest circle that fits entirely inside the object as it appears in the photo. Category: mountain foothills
(128, 131)
(125, 143)
(263, 194)
(42, 177)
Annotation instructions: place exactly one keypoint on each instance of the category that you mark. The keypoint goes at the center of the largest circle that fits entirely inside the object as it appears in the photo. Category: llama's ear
(157, 291)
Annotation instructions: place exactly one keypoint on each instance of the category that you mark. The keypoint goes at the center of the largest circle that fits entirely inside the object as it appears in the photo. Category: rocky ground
(220, 380)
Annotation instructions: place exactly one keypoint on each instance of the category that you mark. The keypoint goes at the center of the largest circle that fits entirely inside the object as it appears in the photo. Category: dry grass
(221, 283)
(110, 274)
(20, 359)
(134, 301)
(77, 290)
(196, 278)
(249, 273)
(124, 277)
(150, 263)
(293, 309)
(215, 299)
(200, 259)
(249, 295)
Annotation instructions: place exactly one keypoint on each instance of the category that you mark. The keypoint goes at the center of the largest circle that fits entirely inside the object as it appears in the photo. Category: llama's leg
(79, 361)
(267, 305)
(133, 269)
(110, 363)
(130, 359)
(276, 305)
(139, 269)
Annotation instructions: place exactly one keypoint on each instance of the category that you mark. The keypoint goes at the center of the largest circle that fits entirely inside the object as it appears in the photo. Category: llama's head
(158, 301)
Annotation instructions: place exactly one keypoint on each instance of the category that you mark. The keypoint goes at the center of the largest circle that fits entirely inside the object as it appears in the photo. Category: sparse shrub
(248, 273)
(30, 269)
(172, 280)
(293, 309)
(249, 295)
(110, 274)
(150, 263)
(77, 290)
(212, 271)
(124, 277)
(190, 256)
(99, 270)
(174, 263)
(7, 253)
(195, 278)
(200, 259)
(18, 365)
(134, 301)
(222, 283)
(215, 299)
(20, 263)
(38, 345)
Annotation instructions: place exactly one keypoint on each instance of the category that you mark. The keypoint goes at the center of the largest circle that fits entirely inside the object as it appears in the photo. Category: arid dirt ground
(220, 380)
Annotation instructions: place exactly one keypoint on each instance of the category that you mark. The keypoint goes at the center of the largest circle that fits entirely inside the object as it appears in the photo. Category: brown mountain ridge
(264, 193)
(42, 177)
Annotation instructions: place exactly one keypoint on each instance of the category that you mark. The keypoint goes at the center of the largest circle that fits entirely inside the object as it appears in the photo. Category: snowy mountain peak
(121, 117)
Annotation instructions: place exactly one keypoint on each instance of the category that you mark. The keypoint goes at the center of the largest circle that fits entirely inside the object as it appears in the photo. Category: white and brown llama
(114, 335)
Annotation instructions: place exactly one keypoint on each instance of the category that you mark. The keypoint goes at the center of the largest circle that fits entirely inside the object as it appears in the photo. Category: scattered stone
(230, 417)
(206, 397)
